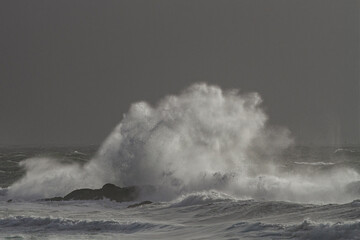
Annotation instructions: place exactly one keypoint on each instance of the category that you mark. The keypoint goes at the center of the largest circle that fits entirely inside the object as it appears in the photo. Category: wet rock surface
(108, 191)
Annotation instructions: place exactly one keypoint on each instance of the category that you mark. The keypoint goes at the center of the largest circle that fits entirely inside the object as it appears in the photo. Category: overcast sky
(70, 69)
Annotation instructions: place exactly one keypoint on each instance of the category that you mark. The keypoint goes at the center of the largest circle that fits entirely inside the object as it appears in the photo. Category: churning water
(219, 169)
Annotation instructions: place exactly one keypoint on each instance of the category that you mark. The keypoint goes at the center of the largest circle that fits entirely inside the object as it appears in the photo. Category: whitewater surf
(219, 170)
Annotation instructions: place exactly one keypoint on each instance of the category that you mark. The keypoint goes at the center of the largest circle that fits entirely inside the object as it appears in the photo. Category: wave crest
(201, 198)
(202, 139)
(48, 224)
(306, 230)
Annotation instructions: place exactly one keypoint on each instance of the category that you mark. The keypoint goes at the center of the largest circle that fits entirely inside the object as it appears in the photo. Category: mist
(204, 138)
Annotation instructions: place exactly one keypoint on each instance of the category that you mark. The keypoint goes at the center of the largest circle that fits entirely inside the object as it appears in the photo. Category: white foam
(202, 139)
(306, 230)
(200, 198)
(49, 224)
(315, 163)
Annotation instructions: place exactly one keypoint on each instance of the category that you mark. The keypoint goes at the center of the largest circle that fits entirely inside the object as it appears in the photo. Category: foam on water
(199, 198)
(315, 163)
(201, 215)
(202, 139)
(306, 230)
(49, 224)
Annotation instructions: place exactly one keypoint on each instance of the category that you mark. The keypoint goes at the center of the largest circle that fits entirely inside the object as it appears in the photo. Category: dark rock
(125, 194)
(109, 191)
(10, 200)
(53, 199)
(139, 204)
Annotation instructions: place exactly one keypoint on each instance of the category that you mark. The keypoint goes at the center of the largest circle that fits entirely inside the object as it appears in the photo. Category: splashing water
(202, 139)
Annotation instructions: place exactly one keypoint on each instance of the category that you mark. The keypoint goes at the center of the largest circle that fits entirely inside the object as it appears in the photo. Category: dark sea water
(204, 214)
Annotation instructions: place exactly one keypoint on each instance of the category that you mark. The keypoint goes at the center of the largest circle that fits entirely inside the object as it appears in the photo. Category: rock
(52, 199)
(109, 191)
(125, 194)
(139, 204)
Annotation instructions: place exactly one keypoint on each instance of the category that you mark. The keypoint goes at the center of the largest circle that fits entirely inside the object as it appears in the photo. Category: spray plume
(202, 139)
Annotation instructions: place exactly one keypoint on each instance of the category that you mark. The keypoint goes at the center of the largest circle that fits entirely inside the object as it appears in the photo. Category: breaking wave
(200, 198)
(306, 230)
(202, 139)
(315, 163)
(49, 224)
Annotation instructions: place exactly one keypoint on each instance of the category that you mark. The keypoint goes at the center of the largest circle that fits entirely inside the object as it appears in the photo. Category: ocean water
(216, 167)
(209, 214)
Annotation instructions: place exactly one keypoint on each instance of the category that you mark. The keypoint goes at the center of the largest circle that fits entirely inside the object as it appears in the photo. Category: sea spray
(189, 142)
(202, 139)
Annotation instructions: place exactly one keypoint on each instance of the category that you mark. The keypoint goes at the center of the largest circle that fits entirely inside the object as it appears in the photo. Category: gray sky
(70, 69)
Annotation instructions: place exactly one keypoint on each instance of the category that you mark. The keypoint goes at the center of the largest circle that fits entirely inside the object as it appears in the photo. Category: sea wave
(315, 163)
(306, 230)
(184, 143)
(201, 198)
(3, 192)
(201, 139)
(343, 150)
(49, 224)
